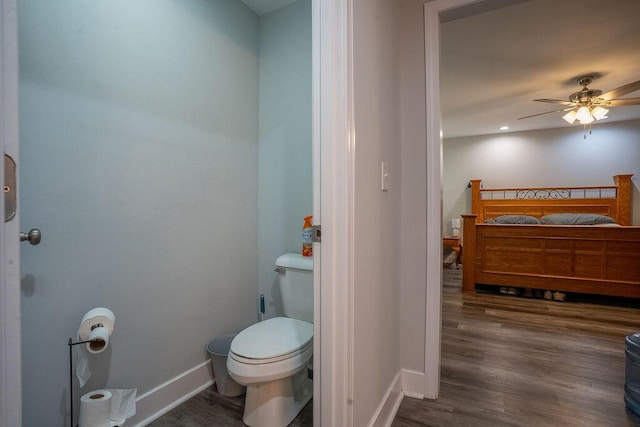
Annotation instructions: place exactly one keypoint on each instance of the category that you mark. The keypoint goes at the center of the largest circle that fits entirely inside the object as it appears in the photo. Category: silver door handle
(33, 236)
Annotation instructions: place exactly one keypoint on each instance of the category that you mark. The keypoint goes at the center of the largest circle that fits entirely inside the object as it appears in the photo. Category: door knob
(33, 236)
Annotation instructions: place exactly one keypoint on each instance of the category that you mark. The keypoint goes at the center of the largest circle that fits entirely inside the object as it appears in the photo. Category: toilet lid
(272, 338)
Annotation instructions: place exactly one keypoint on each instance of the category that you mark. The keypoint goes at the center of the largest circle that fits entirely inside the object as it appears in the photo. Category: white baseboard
(163, 398)
(160, 400)
(413, 383)
(388, 407)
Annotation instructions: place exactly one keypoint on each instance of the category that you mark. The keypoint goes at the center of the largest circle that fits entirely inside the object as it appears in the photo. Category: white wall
(285, 160)
(377, 226)
(139, 149)
(414, 197)
(554, 157)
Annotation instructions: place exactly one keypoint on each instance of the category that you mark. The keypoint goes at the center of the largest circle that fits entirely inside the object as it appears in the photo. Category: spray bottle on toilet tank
(307, 244)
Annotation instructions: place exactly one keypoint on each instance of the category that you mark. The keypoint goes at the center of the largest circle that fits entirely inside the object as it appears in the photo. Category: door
(10, 385)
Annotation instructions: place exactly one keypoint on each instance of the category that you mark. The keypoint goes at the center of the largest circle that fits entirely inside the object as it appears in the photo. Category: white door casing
(333, 128)
(433, 119)
(10, 364)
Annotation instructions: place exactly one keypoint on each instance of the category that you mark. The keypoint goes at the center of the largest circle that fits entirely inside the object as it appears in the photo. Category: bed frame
(583, 259)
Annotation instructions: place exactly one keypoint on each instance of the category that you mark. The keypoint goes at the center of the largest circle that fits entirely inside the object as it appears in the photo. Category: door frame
(433, 304)
(10, 350)
(334, 157)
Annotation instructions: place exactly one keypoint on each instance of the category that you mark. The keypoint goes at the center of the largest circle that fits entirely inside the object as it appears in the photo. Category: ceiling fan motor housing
(585, 96)
(585, 81)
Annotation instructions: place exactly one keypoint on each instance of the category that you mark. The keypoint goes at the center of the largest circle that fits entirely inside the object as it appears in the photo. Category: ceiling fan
(588, 105)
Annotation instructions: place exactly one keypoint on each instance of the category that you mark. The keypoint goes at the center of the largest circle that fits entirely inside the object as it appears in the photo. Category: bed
(590, 259)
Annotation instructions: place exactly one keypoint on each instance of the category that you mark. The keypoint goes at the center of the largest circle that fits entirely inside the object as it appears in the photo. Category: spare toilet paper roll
(123, 405)
(95, 409)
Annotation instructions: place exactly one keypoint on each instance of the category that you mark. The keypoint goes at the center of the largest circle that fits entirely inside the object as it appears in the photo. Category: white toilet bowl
(270, 358)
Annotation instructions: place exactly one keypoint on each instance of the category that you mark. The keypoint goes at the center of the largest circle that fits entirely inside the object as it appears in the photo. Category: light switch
(384, 176)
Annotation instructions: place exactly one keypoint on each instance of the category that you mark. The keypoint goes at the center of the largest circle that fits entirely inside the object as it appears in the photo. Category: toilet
(271, 358)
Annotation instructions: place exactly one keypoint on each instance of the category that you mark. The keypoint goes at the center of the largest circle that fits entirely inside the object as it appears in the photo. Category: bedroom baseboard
(163, 398)
(388, 407)
(413, 383)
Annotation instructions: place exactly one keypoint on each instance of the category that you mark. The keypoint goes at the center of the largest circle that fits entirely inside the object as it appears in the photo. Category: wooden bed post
(469, 253)
(623, 182)
(475, 196)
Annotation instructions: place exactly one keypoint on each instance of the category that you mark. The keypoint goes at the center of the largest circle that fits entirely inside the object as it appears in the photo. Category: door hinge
(316, 233)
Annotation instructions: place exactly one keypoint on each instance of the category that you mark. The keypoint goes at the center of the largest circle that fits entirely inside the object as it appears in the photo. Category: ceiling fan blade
(619, 91)
(622, 102)
(555, 101)
(548, 112)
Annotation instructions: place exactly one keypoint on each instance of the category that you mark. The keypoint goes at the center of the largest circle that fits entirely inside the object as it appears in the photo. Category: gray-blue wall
(139, 150)
(285, 159)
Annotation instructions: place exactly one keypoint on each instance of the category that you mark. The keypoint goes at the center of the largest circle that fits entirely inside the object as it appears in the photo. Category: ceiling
(260, 7)
(494, 64)
(499, 55)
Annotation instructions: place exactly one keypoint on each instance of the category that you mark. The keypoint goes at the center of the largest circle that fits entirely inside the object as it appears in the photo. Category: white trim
(413, 383)
(317, 208)
(10, 351)
(433, 306)
(433, 315)
(158, 401)
(337, 198)
(388, 407)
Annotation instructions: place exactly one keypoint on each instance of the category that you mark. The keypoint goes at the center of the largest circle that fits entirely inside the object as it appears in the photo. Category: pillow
(514, 219)
(576, 219)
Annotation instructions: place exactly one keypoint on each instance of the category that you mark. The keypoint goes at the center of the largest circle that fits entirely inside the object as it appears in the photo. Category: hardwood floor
(209, 408)
(515, 361)
(506, 361)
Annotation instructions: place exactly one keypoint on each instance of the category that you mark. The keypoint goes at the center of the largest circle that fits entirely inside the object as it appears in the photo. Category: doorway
(123, 197)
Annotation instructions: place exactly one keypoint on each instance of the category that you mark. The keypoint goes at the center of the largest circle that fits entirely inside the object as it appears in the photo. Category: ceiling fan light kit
(570, 117)
(599, 113)
(589, 105)
(586, 115)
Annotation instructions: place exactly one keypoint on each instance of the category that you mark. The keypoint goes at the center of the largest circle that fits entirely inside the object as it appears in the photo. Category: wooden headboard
(613, 201)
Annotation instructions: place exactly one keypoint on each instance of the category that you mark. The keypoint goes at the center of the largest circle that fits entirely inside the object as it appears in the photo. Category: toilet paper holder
(96, 318)
(71, 344)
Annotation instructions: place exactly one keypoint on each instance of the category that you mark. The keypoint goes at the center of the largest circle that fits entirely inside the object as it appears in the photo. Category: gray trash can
(632, 380)
(218, 350)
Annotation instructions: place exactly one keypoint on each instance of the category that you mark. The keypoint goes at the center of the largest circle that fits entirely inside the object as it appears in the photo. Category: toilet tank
(295, 277)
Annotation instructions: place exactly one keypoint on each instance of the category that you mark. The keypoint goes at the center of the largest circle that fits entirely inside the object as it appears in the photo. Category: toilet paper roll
(99, 340)
(83, 373)
(95, 409)
(123, 404)
(95, 324)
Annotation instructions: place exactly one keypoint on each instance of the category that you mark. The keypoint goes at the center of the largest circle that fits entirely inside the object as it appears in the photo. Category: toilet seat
(273, 340)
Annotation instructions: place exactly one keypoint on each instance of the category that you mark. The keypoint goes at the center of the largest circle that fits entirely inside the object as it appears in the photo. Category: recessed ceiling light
(504, 127)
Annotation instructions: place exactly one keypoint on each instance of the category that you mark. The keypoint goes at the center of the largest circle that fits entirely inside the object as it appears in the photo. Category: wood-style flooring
(209, 408)
(506, 361)
(515, 361)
